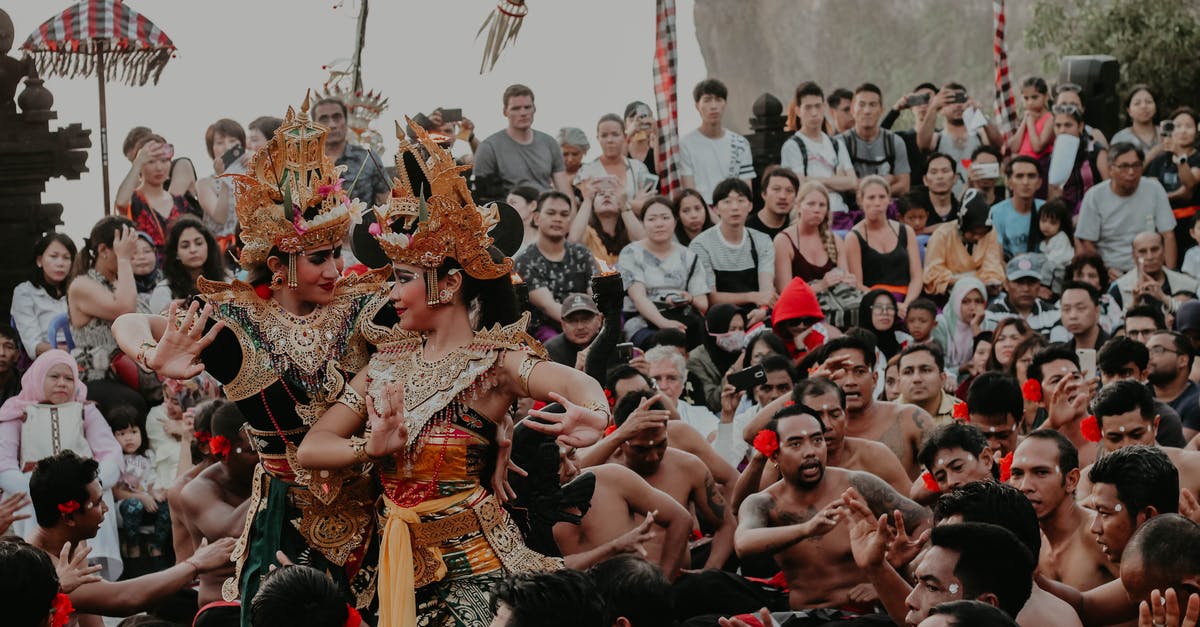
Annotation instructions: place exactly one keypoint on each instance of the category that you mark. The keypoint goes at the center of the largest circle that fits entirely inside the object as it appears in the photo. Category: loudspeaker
(1097, 74)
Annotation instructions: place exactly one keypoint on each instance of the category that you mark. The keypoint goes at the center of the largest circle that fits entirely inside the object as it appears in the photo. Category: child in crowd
(145, 518)
(921, 322)
(1035, 136)
(1054, 221)
(1191, 259)
(913, 213)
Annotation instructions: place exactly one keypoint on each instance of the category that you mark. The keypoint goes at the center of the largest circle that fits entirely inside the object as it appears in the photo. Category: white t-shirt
(710, 161)
(826, 158)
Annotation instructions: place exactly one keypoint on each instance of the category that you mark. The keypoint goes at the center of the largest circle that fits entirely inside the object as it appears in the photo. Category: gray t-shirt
(1113, 221)
(871, 158)
(519, 164)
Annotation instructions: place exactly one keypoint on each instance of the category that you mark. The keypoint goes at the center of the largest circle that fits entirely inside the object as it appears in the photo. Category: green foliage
(1156, 41)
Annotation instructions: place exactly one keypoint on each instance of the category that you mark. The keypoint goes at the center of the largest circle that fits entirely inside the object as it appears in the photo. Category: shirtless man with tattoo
(1045, 469)
(797, 518)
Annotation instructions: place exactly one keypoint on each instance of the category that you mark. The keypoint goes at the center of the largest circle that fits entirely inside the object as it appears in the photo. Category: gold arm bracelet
(352, 399)
(526, 370)
(600, 407)
(359, 447)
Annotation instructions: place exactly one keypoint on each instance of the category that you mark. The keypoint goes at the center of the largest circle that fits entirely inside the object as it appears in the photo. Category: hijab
(960, 340)
(541, 501)
(885, 339)
(716, 323)
(973, 213)
(33, 384)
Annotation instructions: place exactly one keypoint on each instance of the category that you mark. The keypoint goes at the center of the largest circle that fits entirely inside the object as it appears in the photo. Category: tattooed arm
(918, 423)
(884, 499)
(756, 536)
(713, 512)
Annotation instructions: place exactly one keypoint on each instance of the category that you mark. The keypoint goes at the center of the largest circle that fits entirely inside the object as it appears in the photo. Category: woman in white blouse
(39, 300)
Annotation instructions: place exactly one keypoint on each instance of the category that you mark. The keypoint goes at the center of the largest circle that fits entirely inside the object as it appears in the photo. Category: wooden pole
(103, 126)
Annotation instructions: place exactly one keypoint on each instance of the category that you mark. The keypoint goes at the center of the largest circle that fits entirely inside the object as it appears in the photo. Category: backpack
(889, 149)
(804, 151)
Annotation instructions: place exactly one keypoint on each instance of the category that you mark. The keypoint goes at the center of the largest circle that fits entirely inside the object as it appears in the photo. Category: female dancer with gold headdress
(439, 404)
(283, 345)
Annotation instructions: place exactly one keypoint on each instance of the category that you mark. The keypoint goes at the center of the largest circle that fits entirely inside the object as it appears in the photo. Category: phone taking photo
(748, 377)
(917, 100)
(451, 115)
(232, 155)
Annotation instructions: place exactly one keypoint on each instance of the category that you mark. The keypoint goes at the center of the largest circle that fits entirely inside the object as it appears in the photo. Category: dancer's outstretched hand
(177, 355)
(578, 426)
(385, 415)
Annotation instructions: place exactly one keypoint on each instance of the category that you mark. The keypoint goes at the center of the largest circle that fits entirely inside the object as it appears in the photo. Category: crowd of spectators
(927, 376)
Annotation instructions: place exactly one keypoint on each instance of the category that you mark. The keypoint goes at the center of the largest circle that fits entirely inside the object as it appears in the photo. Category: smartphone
(232, 155)
(1166, 127)
(748, 378)
(423, 121)
(1087, 361)
(451, 115)
(958, 97)
(917, 100)
(986, 170)
(624, 352)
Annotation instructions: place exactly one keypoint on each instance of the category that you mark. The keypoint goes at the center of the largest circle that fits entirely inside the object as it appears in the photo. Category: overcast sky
(246, 58)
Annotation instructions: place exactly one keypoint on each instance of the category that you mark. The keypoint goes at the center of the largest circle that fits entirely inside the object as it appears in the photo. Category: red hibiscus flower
(62, 610)
(219, 445)
(1090, 427)
(1031, 391)
(931, 484)
(766, 442)
(612, 399)
(960, 412)
(1006, 467)
(609, 430)
(68, 508)
(353, 619)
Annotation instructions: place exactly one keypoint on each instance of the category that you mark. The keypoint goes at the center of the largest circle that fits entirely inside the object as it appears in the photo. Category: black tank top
(885, 268)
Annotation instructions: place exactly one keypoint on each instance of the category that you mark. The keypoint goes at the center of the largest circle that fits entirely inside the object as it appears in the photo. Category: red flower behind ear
(353, 619)
(960, 412)
(1031, 391)
(609, 430)
(219, 445)
(69, 507)
(1090, 427)
(263, 291)
(931, 484)
(202, 437)
(766, 442)
(62, 609)
(1006, 467)
(610, 397)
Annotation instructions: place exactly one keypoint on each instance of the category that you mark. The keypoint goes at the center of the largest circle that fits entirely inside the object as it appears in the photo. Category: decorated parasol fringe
(502, 24)
(133, 68)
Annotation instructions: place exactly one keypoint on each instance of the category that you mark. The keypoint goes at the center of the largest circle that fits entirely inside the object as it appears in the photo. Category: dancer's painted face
(316, 275)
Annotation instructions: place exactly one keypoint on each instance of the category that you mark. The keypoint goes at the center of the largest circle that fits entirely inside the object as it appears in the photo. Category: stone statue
(11, 70)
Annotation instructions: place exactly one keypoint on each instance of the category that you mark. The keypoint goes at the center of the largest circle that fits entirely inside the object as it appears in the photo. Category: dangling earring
(292, 282)
(445, 296)
(277, 281)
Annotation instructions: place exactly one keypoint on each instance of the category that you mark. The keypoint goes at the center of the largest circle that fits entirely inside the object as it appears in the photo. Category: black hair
(815, 386)
(954, 85)
(38, 276)
(885, 339)
(1016, 322)
(1031, 344)
(1170, 549)
(298, 596)
(988, 149)
(925, 85)
(680, 233)
(10, 333)
(632, 107)
(59, 479)
(669, 337)
(498, 293)
(710, 87)
(780, 172)
(838, 95)
(1068, 455)
(1058, 210)
(1120, 351)
(103, 232)
(333, 101)
(1147, 311)
(1092, 292)
(629, 403)
(266, 125)
(227, 421)
(731, 185)
(953, 434)
(1095, 261)
(973, 614)
(990, 560)
(993, 503)
(202, 423)
(870, 88)
(1121, 148)
(549, 599)
(995, 394)
(924, 304)
(938, 357)
(29, 581)
(620, 372)
(913, 200)
(553, 194)
(849, 342)
(1037, 83)
(1026, 159)
(634, 589)
(527, 192)
(1183, 345)
(1144, 477)
(773, 342)
(1054, 352)
(779, 363)
(795, 409)
(941, 155)
(178, 279)
(1124, 396)
(1133, 90)
(808, 88)
(121, 417)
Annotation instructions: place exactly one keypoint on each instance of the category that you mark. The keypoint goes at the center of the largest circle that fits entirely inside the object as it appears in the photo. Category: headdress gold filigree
(288, 177)
(424, 227)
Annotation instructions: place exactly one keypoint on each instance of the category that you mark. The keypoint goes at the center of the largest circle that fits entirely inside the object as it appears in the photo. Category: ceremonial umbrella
(105, 38)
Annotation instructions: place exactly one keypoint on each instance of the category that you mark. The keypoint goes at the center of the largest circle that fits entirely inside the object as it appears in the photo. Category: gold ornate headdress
(287, 177)
(424, 227)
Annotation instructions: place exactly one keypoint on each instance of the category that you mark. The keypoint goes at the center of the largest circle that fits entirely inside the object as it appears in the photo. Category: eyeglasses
(1158, 350)
(883, 309)
(1139, 332)
(1135, 165)
(1066, 109)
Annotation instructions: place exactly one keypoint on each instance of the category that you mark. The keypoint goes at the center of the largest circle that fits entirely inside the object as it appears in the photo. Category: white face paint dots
(953, 588)
(1118, 508)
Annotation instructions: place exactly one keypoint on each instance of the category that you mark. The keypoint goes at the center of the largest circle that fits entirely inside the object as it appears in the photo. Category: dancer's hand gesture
(177, 355)
(385, 415)
(577, 426)
(74, 571)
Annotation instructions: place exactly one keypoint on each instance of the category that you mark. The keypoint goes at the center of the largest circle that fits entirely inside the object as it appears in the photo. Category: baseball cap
(578, 302)
(1187, 318)
(1025, 265)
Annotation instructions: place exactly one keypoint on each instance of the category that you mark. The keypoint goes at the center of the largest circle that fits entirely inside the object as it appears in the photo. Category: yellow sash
(397, 593)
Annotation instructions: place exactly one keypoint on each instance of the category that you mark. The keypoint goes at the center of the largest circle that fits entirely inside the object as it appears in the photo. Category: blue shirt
(1012, 227)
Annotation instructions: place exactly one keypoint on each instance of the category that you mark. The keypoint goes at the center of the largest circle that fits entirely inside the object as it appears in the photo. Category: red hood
(796, 301)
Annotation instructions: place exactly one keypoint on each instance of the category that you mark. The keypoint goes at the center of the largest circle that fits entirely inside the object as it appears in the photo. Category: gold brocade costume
(446, 540)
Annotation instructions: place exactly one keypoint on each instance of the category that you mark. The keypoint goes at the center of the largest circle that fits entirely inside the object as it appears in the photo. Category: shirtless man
(797, 518)
(214, 504)
(69, 482)
(1045, 469)
(842, 451)
(851, 363)
(956, 454)
(640, 443)
(1065, 395)
(1125, 414)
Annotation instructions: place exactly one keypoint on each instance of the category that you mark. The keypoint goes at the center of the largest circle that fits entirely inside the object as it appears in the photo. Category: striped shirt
(1045, 318)
(718, 254)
